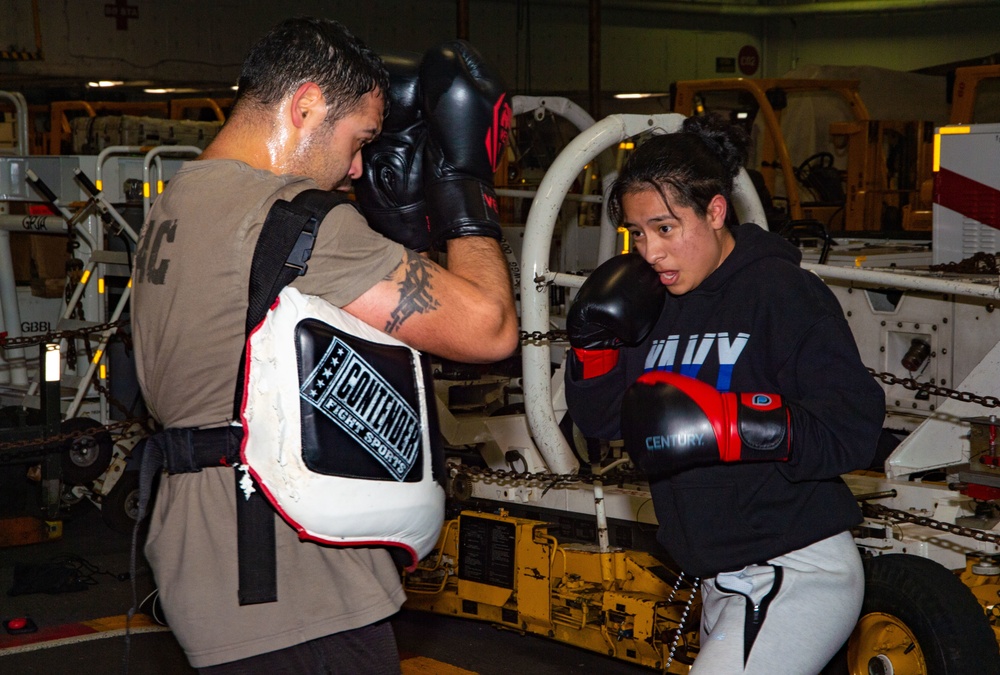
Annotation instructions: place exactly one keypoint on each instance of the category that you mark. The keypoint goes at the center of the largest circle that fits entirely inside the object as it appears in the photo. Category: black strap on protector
(282, 252)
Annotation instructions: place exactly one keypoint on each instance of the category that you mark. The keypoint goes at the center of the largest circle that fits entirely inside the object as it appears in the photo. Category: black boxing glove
(617, 305)
(390, 190)
(468, 118)
(671, 422)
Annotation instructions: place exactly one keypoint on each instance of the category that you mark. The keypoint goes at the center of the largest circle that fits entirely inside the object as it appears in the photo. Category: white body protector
(338, 428)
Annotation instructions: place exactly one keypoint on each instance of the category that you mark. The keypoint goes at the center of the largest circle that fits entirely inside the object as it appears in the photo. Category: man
(311, 96)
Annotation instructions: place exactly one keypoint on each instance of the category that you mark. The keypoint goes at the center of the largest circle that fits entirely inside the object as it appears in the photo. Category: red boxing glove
(672, 422)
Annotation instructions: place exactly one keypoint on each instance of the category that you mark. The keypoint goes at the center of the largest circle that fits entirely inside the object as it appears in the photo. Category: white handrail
(153, 155)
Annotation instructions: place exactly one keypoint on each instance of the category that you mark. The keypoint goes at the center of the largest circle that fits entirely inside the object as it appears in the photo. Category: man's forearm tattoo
(414, 292)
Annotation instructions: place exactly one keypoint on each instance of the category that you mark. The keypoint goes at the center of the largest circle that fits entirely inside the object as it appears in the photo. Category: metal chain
(622, 475)
(935, 390)
(538, 336)
(7, 342)
(895, 515)
(887, 378)
(908, 383)
(553, 479)
(114, 402)
(28, 448)
(550, 479)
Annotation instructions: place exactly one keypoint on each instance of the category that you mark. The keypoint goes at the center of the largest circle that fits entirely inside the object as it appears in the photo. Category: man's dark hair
(303, 50)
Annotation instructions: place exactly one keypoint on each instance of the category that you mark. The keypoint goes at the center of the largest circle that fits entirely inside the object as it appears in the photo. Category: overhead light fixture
(172, 90)
(742, 115)
(105, 83)
(641, 95)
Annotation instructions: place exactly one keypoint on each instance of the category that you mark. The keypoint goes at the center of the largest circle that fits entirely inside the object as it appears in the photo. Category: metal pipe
(603, 542)
(869, 496)
(905, 281)
(558, 105)
(582, 120)
(798, 9)
(561, 279)
(99, 354)
(33, 224)
(538, 234)
(10, 313)
(152, 157)
(103, 155)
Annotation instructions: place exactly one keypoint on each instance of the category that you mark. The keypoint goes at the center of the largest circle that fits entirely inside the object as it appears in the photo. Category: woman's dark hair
(303, 50)
(695, 164)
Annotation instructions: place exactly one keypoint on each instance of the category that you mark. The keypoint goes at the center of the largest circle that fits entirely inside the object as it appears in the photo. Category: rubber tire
(84, 459)
(120, 506)
(948, 622)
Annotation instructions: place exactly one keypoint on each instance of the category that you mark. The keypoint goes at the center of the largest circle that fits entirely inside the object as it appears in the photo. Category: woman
(744, 401)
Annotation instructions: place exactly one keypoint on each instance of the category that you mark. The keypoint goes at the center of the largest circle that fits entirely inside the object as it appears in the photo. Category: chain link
(895, 515)
(564, 480)
(935, 390)
(908, 383)
(27, 449)
(537, 336)
(7, 342)
(548, 478)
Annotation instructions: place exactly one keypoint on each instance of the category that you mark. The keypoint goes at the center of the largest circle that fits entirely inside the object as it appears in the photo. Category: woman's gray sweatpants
(803, 606)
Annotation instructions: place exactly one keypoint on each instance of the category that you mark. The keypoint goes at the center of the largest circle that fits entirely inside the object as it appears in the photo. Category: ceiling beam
(793, 9)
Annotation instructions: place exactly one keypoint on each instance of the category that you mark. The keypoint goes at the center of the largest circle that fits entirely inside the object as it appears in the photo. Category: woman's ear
(716, 212)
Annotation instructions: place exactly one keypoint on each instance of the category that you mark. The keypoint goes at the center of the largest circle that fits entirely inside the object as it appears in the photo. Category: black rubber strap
(282, 254)
(255, 547)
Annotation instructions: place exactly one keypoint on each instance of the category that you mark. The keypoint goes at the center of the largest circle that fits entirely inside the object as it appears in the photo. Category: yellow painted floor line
(87, 637)
(421, 665)
(114, 626)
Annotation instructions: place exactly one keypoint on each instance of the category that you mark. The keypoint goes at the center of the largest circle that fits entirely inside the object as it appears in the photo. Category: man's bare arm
(464, 313)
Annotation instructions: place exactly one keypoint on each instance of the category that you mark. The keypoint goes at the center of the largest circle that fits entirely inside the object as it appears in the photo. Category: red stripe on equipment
(968, 197)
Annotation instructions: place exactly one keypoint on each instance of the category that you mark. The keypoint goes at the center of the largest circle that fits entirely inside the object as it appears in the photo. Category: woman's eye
(664, 229)
(635, 234)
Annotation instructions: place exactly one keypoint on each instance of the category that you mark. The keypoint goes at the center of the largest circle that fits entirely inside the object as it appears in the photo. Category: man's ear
(308, 106)
(716, 211)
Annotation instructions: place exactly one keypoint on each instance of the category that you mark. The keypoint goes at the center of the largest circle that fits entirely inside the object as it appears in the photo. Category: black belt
(190, 451)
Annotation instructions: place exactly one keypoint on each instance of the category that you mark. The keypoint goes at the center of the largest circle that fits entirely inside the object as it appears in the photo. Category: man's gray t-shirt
(188, 318)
